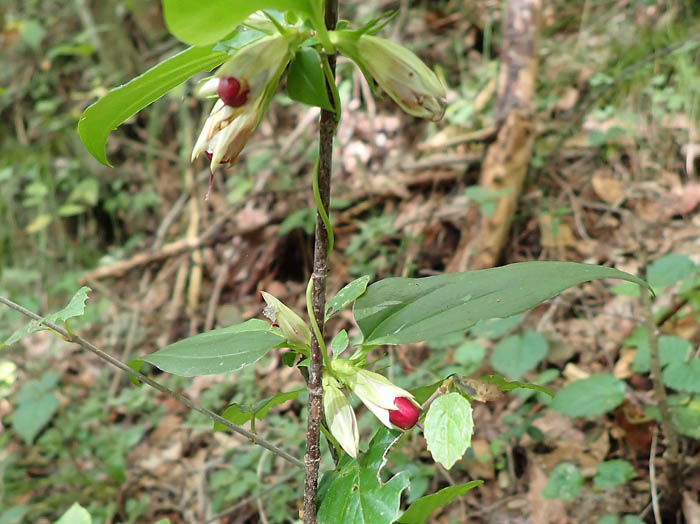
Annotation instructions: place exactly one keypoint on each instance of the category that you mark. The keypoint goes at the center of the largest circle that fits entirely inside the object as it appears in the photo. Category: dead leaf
(543, 511)
(691, 509)
(607, 188)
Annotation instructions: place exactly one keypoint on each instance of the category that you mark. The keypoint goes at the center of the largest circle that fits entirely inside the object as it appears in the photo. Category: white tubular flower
(293, 327)
(242, 85)
(389, 403)
(404, 76)
(340, 416)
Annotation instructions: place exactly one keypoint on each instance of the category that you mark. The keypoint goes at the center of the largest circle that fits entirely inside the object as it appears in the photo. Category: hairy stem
(69, 336)
(312, 458)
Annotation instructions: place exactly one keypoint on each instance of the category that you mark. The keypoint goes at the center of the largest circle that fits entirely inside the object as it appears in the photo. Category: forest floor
(613, 180)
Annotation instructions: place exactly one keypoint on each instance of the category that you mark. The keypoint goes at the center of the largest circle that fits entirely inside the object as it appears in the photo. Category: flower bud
(377, 393)
(291, 324)
(404, 76)
(405, 415)
(340, 417)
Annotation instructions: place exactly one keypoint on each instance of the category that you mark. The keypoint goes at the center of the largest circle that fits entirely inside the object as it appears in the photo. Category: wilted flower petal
(291, 324)
(403, 76)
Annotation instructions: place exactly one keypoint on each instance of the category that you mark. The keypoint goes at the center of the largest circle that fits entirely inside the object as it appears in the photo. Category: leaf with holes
(354, 492)
(75, 308)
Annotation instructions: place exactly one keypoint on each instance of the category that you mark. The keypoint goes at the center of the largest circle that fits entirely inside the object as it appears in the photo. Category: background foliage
(614, 174)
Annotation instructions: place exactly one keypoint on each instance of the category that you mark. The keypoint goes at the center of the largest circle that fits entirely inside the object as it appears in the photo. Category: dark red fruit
(230, 91)
(405, 415)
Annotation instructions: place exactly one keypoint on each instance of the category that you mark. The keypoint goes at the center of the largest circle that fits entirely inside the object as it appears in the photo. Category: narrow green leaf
(564, 483)
(355, 494)
(683, 376)
(340, 342)
(36, 406)
(409, 310)
(589, 397)
(75, 308)
(448, 428)
(504, 385)
(306, 82)
(347, 295)
(613, 473)
(517, 354)
(419, 512)
(203, 23)
(217, 351)
(238, 415)
(671, 349)
(105, 115)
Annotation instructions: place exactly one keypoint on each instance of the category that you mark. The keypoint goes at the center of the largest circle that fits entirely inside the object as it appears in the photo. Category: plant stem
(672, 471)
(327, 126)
(75, 339)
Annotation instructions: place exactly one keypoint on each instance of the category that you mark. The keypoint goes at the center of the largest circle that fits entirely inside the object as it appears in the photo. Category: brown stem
(312, 458)
(75, 339)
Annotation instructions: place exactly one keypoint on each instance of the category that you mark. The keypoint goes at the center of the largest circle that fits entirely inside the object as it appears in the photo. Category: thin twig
(76, 339)
(327, 127)
(672, 470)
(652, 478)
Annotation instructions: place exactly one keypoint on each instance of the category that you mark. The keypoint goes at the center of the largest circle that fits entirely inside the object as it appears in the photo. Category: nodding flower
(404, 76)
(389, 403)
(242, 85)
(292, 326)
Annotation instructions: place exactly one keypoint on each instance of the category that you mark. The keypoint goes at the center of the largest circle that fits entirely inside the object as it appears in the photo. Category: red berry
(230, 92)
(405, 415)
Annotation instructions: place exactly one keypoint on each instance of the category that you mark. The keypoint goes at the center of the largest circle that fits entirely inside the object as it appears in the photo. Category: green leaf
(589, 397)
(237, 415)
(686, 415)
(613, 473)
(670, 269)
(306, 82)
(547, 376)
(75, 308)
(564, 483)
(448, 428)
(495, 327)
(36, 406)
(409, 310)
(76, 514)
(346, 296)
(217, 351)
(14, 515)
(671, 349)
(419, 512)
(517, 354)
(355, 494)
(504, 385)
(469, 354)
(340, 342)
(202, 23)
(105, 115)
(683, 376)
